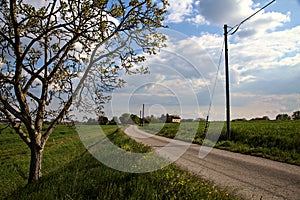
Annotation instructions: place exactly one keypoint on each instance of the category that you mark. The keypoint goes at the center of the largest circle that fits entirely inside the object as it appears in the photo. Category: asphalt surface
(244, 176)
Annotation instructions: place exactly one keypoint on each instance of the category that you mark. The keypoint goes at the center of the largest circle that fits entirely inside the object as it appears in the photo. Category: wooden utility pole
(227, 83)
(140, 122)
(143, 120)
(232, 31)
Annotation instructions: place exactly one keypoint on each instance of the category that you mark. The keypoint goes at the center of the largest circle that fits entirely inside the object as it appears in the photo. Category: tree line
(295, 116)
(127, 118)
(282, 116)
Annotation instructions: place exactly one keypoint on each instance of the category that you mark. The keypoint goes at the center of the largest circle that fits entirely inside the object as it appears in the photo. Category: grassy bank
(69, 172)
(276, 140)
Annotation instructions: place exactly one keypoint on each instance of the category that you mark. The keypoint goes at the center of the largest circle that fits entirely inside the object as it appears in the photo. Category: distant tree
(200, 119)
(60, 53)
(265, 118)
(296, 115)
(283, 117)
(261, 118)
(102, 120)
(163, 118)
(239, 119)
(135, 119)
(113, 121)
(147, 120)
(187, 120)
(91, 121)
(155, 119)
(125, 118)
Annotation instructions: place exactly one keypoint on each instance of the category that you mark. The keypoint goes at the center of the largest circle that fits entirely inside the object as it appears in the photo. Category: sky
(187, 77)
(264, 63)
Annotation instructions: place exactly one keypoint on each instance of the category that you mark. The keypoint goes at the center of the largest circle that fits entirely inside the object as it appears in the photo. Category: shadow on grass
(84, 177)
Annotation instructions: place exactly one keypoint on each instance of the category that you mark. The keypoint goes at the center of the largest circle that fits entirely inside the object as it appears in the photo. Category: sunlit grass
(70, 172)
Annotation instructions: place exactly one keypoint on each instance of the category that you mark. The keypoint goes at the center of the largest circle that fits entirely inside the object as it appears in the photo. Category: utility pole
(140, 122)
(227, 83)
(143, 115)
(232, 31)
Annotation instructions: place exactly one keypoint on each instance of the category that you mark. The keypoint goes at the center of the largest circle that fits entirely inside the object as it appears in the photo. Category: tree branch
(18, 68)
(10, 108)
(7, 39)
(16, 126)
(33, 97)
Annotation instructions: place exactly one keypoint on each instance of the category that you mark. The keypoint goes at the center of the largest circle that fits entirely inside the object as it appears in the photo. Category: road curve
(245, 176)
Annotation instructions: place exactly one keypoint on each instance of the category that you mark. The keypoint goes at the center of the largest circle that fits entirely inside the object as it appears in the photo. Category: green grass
(70, 172)
(276, 140)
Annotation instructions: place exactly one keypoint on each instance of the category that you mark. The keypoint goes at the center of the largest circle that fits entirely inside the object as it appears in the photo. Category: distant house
(173, 119)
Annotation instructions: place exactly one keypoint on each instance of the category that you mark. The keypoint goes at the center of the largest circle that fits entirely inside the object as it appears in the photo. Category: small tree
(92, 121)
(163, 118)
(135, 119)
(296, 115)
(102, 120)
(55, 55)
(283, 117)
(113, 121)
(125, 118)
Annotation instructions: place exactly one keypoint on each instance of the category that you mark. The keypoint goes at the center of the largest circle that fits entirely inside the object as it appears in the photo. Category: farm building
(172, 119)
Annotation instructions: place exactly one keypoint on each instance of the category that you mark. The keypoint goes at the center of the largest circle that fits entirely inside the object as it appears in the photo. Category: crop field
(70, 172)
(277, 140)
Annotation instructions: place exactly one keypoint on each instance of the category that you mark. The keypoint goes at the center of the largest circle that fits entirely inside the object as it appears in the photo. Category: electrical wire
(236, 27)
(214, 88)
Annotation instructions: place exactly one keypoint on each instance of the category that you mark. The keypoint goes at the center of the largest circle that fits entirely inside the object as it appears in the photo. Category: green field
(70, 172)
(277, 140)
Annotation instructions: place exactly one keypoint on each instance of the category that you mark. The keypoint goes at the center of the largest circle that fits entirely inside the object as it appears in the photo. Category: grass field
(277, 140)
(69, 172)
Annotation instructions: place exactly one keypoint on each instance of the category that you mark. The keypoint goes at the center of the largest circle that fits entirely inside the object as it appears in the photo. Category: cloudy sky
(264, 59)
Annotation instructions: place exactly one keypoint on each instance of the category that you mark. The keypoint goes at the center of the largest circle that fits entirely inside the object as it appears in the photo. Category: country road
(245, 176)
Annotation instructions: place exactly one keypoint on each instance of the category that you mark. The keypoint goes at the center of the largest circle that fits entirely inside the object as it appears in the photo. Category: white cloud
(264, 63)
(183, 74)
(268, 51)
(231, 12)
(179, 10)
(225, 11)
(257, 105)
(264, 76)
(198, 19)
(290, 60)
(262, 23)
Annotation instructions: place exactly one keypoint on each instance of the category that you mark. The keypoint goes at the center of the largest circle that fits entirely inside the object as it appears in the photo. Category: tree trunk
(35, 172)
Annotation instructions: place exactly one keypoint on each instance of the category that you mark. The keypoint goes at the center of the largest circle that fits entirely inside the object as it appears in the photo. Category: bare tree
(55, 53)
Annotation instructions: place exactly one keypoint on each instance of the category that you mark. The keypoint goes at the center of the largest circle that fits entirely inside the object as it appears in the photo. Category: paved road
(244, 176)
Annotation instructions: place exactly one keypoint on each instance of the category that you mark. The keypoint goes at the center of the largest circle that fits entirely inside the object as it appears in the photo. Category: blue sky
(264, 58)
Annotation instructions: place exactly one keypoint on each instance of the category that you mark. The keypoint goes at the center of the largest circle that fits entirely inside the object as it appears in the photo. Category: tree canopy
(296, 115)
(59, 53)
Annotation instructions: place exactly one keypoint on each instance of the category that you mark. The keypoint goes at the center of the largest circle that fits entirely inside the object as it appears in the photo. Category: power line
(226, 32)
(238, 25)
(214, 88)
